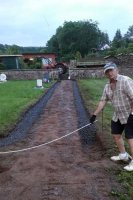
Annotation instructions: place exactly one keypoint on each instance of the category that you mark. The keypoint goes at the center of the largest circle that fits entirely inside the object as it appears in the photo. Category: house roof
(2, 56)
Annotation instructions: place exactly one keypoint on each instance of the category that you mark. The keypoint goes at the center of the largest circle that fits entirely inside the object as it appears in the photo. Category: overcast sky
(33, 22)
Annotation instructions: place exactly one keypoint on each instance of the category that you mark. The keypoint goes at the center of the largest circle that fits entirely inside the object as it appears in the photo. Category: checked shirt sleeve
(129, 88)
(104, 95)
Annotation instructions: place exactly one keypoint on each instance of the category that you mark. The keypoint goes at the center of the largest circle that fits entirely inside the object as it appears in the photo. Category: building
(48, 59)
(10, 61)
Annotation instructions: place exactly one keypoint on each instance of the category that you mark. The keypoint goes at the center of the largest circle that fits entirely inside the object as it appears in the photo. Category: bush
(2, 66)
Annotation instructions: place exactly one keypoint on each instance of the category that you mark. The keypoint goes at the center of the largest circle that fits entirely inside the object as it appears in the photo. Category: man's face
(111, 73)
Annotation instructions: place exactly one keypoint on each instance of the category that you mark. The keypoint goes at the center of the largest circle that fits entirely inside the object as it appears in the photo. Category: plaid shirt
(121, 98)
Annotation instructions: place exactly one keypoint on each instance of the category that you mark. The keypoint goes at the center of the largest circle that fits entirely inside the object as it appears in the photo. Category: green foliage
(36, 63)
(117, 41)
(2, 66)
(14, 49)
(112, 52)
(130, 48)
(123, 44)
(52, 45)
(78, 55)
(81, 36)
(125, 178)
(122, 50)
(129, 32)
(72, 37)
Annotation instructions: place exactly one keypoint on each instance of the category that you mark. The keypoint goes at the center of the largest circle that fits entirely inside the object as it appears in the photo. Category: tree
(117, 41)
(53, 45)
(78, 55)
(130, 48)
(129, 33)
(72, 37)
(2, 66)
(14, 49)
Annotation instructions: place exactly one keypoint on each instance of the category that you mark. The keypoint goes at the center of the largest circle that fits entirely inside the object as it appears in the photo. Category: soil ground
(63, 170)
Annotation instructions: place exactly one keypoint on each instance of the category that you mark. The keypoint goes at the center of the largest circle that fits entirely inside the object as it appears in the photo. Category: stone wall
(28, 74)
(86, 73)
(96, 72)
(128, 71)
(74, 73)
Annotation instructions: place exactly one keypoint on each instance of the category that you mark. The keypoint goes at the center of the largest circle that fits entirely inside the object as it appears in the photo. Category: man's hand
(92, 119)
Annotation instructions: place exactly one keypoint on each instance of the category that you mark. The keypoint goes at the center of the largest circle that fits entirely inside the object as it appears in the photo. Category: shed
(10, 61)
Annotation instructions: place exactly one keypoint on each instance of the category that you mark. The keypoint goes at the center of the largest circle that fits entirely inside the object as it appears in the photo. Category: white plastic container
(39, 83)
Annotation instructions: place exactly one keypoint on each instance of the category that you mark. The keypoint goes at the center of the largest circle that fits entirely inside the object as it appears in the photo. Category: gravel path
(74, 168)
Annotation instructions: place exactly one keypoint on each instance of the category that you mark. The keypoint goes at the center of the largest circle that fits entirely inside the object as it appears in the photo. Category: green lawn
(15, 98)
(91, 91)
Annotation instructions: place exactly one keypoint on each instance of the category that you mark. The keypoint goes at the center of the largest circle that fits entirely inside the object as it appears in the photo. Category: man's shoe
(129, 167)
(120, 157)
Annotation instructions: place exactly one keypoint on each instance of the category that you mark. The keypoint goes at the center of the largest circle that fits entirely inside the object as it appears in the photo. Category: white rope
(44, 144)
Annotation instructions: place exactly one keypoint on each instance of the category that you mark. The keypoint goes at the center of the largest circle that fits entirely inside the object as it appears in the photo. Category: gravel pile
(87, 134)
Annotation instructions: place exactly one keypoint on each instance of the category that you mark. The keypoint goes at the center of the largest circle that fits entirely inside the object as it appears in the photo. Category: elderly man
(119, 90)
